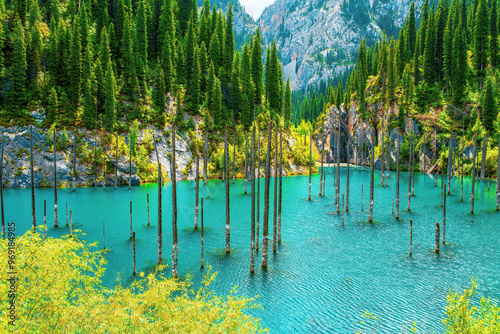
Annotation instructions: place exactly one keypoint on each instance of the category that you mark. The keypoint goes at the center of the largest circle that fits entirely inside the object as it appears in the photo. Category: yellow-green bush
(58, 290)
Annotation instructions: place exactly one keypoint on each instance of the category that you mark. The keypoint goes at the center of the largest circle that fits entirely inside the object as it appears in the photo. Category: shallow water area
(324, 276)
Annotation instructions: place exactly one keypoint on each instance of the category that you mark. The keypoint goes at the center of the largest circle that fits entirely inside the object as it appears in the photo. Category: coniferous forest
(217, 146)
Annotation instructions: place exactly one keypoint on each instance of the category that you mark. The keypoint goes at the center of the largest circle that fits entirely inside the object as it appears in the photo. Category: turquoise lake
(324, 275)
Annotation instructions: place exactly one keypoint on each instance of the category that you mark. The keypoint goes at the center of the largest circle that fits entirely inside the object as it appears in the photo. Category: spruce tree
(167, 66)
(187, 9)
(229, 43)
(109, 119)
(489, 109)
(391, 74)
(159, 95)
(52, 107)
(448, 60)
(17, 92)
(141, 46)
(214, 51)
(273, 81)
(195, 95)
(481, 40)
(429, 53)
(257, 68)
(288, 102)
(216, 104)
(493, 47)
(411, 30)
(459, 72)
(75, 63)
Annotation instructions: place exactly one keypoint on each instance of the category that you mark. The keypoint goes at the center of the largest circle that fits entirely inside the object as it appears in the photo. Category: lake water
(324, 275)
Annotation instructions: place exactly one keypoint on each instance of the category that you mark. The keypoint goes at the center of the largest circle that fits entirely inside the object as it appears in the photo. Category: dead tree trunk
(133, 247)
(412, 163)
(411, 236)
(321, 170)
(246, 163)
(103, 236)
(174, 207)
(397, 177)
(205, 157)
(281, 185)
(310, 162)
(160, 183)
(450, 150)
(116, 163)
(228, 226)
(337, 188)
(483, 158)
(372, 178)
(95, 149)
(56, 220)
(275, 206)
(234, 156)
(197, 191)
(130, 164)
(147, 197)
(74, 160)
(382, 160)
(1, 189)
(33, 211)
(442, 185)
(348, 147)
(436, 250)
(252, 218)
(409, 176)
(266, 200)
(444, 216)
(473, 176)
(498, 175)
(462, 173)
(202, 252)
(258, 188)
(131, 220)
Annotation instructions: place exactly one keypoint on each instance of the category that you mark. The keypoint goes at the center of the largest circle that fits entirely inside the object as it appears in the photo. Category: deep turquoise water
(324, 275)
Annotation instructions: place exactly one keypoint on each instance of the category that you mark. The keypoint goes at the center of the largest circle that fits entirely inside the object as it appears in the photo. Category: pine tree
(459, 72)
(391, 74)
(203, 67)
(229, 43)
(429, 53)
(159, 95)
(180, 69)
(52, 107)
(411, 30)
(214, 51)
(167, 67)
(440, 25)
(189, 54)
(195, 95)
(489, 110)
(448, 60)
(17, 93)
(257, 68)
(400, 54)
(141, 46)
(75, 63)
(481, 40)
(236, 94)
(187, 10)
(493, 47)
(109, 119)
(216, 104)
(288, 102)
(273, 81)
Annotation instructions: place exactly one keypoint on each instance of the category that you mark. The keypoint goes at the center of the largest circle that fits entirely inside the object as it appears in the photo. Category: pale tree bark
(498, 175)
(252, 218)
(382, 160)
(205, 162)
(116, 161)
(234, 156)
(412, 163)
(372, 177)
(197, 190)
(310, 162)
(33, 211)
(275, 206)
(56, 220)
(348, 148)
(258, 188)
(483, 157)
(281, 185)
(129, 163)
(74, 160)
(246, 163)
(1, 189)
(174, 208)
(337, 188)
(409, 172)
(397, 177)
(473, 176)
(265, 228)
(228, 221)
(321, 170)
(160, 183)
(202, 252)
(449, 170)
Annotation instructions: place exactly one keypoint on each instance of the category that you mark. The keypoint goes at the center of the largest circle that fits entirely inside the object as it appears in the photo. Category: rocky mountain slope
(318, 38)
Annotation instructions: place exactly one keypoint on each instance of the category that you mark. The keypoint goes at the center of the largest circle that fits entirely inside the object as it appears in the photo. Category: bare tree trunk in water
(246, 163)
(281, 185)
(337, 188)
(129, 164)
(205, 163)
(473, 176)
(33, 211)
(275, 206)
(321, 170)
(234, 156)
(498, 175)
(228, 227)
(74, 160)
(348, 146)
(265, 228)
(412, 163)
(409, 174)
(252, 221)
(436, 250)
(382, 160)
(56, 220)
(202, 262)
(310, 162)
(174, 207)
(484, 153)
(462, 174)
(116, 162)
(397, 177)
(444, 217)
(1, 190)
(258, 187)
(450, 148)
(372, 177)
(197, 191)
(160, 182)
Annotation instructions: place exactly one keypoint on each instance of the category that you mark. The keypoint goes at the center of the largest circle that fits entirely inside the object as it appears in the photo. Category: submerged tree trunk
(56, 220)
(1, 189)
(228, 227)
(348, 147)
(473, 176)
(321, 170)
(246, 163)
(74, 160)
(281, 185)
(265, 228)
(33, 211)
(483, 158)
(130, 164)
(409, 174)
(444, 216)
(449, 170)
(205, 163)
(436, 250)
(174, 207)
(337, 188)
(462, 173)
(275, 204)
(160, 183)
(498, 175)
(234, 156)
(382, 160)
(412, 163)
(202, 252)
(197, 190)
(252, 215)
(372, 177)
(116, 162)
(258, 188)
(397, 177)
(310, 163)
